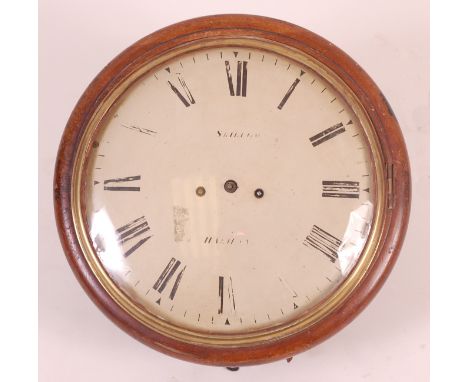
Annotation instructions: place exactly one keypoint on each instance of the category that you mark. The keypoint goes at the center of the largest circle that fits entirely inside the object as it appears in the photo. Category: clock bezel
(394, 158)
(241, 338)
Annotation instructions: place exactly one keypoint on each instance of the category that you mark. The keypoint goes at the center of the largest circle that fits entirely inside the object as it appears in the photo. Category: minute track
(213, 230)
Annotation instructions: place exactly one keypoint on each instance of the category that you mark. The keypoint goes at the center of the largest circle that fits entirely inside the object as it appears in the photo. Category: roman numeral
(222, 291)
(176, 283)
(288, 93)
(288, 287)
(166, 276)
(340, 189)
(327, 134)
(186, 101)
(221, 294)
(139, 129)
(290, 90)
(241, 82)
(324, 242)
(122, 180)
(133, 230)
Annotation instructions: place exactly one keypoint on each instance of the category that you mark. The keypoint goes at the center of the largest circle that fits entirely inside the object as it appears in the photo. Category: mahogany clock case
(365, 90)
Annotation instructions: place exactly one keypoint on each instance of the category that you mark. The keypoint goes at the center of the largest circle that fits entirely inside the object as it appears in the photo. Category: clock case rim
(395, 218)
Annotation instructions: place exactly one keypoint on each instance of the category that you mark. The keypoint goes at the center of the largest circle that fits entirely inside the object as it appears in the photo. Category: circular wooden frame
(387, 130)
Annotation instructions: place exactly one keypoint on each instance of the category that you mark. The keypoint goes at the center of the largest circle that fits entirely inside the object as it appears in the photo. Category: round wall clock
(232, 190)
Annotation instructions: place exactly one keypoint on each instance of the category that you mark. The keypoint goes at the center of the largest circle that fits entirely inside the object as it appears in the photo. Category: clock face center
(185, 235)
(230, 186)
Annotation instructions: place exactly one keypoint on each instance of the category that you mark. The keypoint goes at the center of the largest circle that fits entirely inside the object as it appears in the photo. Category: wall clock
(232, 190)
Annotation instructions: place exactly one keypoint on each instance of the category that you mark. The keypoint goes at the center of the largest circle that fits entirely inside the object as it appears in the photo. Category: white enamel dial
(229, 190)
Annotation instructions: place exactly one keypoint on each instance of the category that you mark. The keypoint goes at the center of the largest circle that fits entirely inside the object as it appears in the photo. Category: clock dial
(229, 189)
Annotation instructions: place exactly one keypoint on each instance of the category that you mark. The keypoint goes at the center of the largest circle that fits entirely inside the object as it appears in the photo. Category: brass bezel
(322, 310)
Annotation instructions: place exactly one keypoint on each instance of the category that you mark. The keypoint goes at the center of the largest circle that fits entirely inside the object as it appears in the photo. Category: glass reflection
(107, 242)
(355, 236)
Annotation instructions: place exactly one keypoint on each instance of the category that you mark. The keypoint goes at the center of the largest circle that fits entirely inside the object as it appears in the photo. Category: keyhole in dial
(200, 191)
(259, 193)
